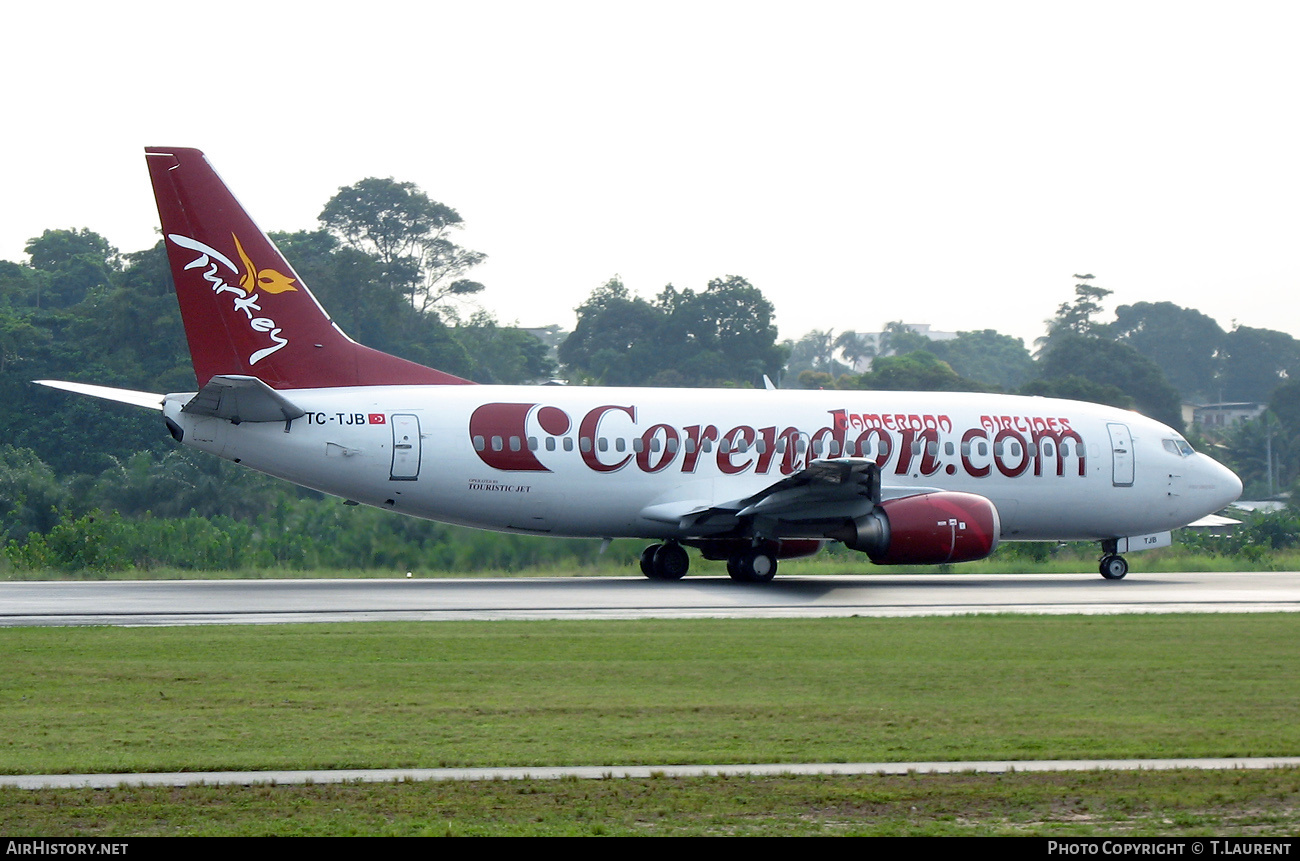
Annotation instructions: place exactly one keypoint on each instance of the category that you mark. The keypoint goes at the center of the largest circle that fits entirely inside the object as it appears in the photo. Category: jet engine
(926, 529)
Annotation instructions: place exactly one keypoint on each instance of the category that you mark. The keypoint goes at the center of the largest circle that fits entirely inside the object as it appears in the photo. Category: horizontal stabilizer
(242, 399)
(122, 396)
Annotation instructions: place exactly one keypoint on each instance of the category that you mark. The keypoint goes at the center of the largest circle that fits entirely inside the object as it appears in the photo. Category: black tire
(648, 560)
(752, 566)
(1113, 567)
(670, 562)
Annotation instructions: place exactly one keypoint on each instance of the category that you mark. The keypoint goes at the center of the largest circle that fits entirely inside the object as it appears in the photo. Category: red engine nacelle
(927, 529)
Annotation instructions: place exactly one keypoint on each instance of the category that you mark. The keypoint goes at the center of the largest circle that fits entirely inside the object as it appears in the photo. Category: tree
(721, 336)
(918, 371)
(409, 234)
(1256, 362)
(350, 283)
(17, 337)
(815, 352)
(1075, 318)
(1072, 387)
(992, 358)
(74, 264)
(1110, 363)
(1186, 344)
(503, 354)
(1258, 451)
(616, 339)
(1285, 404)
(855, 347)
(899, 339)
(736, 320)
(30, 493)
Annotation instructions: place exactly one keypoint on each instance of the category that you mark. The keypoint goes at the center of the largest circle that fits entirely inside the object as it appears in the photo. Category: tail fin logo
(269, 280)
(245, 296)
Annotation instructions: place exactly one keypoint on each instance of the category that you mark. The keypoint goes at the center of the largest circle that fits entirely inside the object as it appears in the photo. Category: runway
(223, 602)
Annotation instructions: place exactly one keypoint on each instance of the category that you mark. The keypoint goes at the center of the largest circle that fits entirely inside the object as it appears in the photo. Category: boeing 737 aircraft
(746, 476)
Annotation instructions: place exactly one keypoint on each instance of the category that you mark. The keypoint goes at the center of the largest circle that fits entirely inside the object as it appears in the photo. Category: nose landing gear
(1113, 567)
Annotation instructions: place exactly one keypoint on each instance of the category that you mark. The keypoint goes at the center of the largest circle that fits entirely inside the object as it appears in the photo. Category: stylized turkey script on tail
(246, 312)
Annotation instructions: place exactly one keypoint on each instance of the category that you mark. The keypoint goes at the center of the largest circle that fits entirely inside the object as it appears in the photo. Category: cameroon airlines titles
(745, 476)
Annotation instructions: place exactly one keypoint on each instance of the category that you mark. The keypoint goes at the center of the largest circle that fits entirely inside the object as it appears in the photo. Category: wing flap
(827, 492)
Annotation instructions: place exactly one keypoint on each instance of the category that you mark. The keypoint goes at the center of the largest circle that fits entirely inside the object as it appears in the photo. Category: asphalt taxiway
(213, 602)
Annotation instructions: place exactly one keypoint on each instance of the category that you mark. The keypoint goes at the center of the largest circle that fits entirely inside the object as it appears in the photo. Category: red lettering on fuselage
(506, 437)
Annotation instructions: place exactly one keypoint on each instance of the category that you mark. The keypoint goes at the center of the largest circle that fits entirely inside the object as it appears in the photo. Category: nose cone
(1218, 486)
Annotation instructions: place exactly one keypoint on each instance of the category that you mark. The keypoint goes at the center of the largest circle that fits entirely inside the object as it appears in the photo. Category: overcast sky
(953, 163)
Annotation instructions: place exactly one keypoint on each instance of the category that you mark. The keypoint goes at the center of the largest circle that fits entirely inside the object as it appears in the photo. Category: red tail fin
(245, 310)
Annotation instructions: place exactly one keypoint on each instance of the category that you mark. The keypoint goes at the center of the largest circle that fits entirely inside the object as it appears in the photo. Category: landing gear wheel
(752, 566)
(648, 560)
(669, 562)
(1113, 567)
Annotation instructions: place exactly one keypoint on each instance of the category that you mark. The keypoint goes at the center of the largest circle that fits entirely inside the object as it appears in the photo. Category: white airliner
(746, 476)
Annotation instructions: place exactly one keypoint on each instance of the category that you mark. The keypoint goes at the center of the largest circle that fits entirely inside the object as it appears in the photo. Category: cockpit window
(1180, 447)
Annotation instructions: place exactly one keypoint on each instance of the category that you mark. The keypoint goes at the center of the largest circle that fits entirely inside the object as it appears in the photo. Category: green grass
(658, 692)
(647, 692)
(1262, 805)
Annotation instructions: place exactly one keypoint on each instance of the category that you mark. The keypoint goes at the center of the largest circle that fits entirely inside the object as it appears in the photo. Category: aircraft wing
(827, 491)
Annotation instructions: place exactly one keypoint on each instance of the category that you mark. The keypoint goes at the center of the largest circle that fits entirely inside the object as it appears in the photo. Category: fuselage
(575, 461)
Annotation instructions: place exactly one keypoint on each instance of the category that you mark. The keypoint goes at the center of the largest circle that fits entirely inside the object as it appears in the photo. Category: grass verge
(647, 692)
(1257, 804)
(707, 691)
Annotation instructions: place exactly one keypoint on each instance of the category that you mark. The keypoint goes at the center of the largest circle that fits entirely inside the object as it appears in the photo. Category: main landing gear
(668, 561)
(754, 565)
